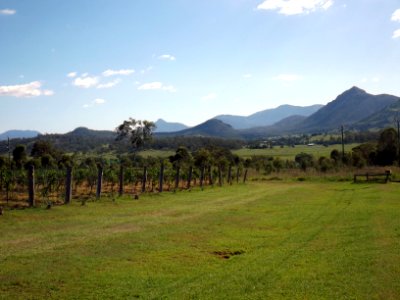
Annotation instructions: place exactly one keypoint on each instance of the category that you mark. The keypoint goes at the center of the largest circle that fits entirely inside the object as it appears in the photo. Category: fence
(48, 186)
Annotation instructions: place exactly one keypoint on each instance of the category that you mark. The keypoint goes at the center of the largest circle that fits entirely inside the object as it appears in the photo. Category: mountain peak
(355, 90)
(164, 126)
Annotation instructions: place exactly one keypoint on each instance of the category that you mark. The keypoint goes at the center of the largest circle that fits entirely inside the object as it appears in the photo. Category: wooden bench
(369, 175)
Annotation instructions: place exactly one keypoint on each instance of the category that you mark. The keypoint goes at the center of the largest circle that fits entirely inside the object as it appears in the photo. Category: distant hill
(381, 119)
(268, 116)
(18, 134)
(164, 126)
(210, 128)
(285, 126)
(86, 132)
(348, 108)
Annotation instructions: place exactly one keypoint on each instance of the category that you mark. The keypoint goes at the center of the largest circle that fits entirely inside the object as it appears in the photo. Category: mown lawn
(264, 240)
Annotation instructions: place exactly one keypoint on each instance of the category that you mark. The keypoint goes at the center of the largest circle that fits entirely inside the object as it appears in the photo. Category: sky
(96, 63)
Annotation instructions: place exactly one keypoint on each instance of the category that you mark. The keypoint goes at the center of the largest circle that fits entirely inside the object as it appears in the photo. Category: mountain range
(268, 116)
(355, 109)
(17, 134)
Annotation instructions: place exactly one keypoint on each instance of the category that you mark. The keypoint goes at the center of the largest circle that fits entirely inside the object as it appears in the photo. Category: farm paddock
(260, 240)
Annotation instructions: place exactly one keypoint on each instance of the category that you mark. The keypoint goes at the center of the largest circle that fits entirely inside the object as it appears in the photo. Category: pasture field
(290, 152)
(263, 240)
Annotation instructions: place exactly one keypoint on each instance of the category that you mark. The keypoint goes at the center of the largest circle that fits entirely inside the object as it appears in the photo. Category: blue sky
(95, 63)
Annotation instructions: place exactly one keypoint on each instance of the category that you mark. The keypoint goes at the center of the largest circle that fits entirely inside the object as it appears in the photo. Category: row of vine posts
(204, 175)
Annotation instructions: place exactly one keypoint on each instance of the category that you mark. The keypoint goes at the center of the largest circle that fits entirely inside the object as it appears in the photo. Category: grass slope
(276, 240)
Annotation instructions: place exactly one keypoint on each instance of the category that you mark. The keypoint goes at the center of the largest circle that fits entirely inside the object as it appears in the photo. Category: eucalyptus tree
(138, 132)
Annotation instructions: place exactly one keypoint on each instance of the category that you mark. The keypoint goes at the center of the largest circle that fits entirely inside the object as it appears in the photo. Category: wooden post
(388, 173)
(342, 132)
(177, 175)
(68, 186)
(31, 185)
(201, 177)
(237, 174)
(99, 181)
(230, 175)
(210, 176)
(144, 179)
(219, 176)
(121, 180)
(189, 177)
(161, 178)
(245, 176)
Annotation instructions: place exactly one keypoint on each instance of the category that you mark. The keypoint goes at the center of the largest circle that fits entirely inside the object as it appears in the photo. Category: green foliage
(136, 131)
(43, 147)
(182, 157)
(387, 147)
(202, 158)
(19, 156)
(304, 160)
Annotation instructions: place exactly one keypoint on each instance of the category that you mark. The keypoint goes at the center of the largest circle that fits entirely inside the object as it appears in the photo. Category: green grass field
(263, 240)
(290, 152)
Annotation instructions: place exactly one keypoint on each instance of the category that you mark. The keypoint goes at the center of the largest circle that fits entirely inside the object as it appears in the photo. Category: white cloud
(295, 7)
(396, 34)
(209, 97)
(287, 77)
(167, 57)
(124, 72)
(247, 76)
(147, 70)
(85, 81)
(97, 101)
(396, 16)
(7, 12)
(72, 74)
(32, 89)
(156, 86)
(108, 85)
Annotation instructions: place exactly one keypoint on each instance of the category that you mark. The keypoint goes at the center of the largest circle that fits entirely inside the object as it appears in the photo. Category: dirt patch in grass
(226, 254)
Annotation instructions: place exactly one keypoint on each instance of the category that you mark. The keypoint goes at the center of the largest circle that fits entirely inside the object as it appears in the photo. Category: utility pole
(9, 151)
(398, 138)
(342, 131)
(10, 169)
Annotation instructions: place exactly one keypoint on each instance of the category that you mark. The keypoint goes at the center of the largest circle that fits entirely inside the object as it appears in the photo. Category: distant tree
(335, 155)
(182, 157)
(42, 147)
(387, 147)
(278, 164)
(19, 156)
(138, 132)
(3, 162)
(364, 154)
(47, 161)
(304, 160)
(202, 158)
